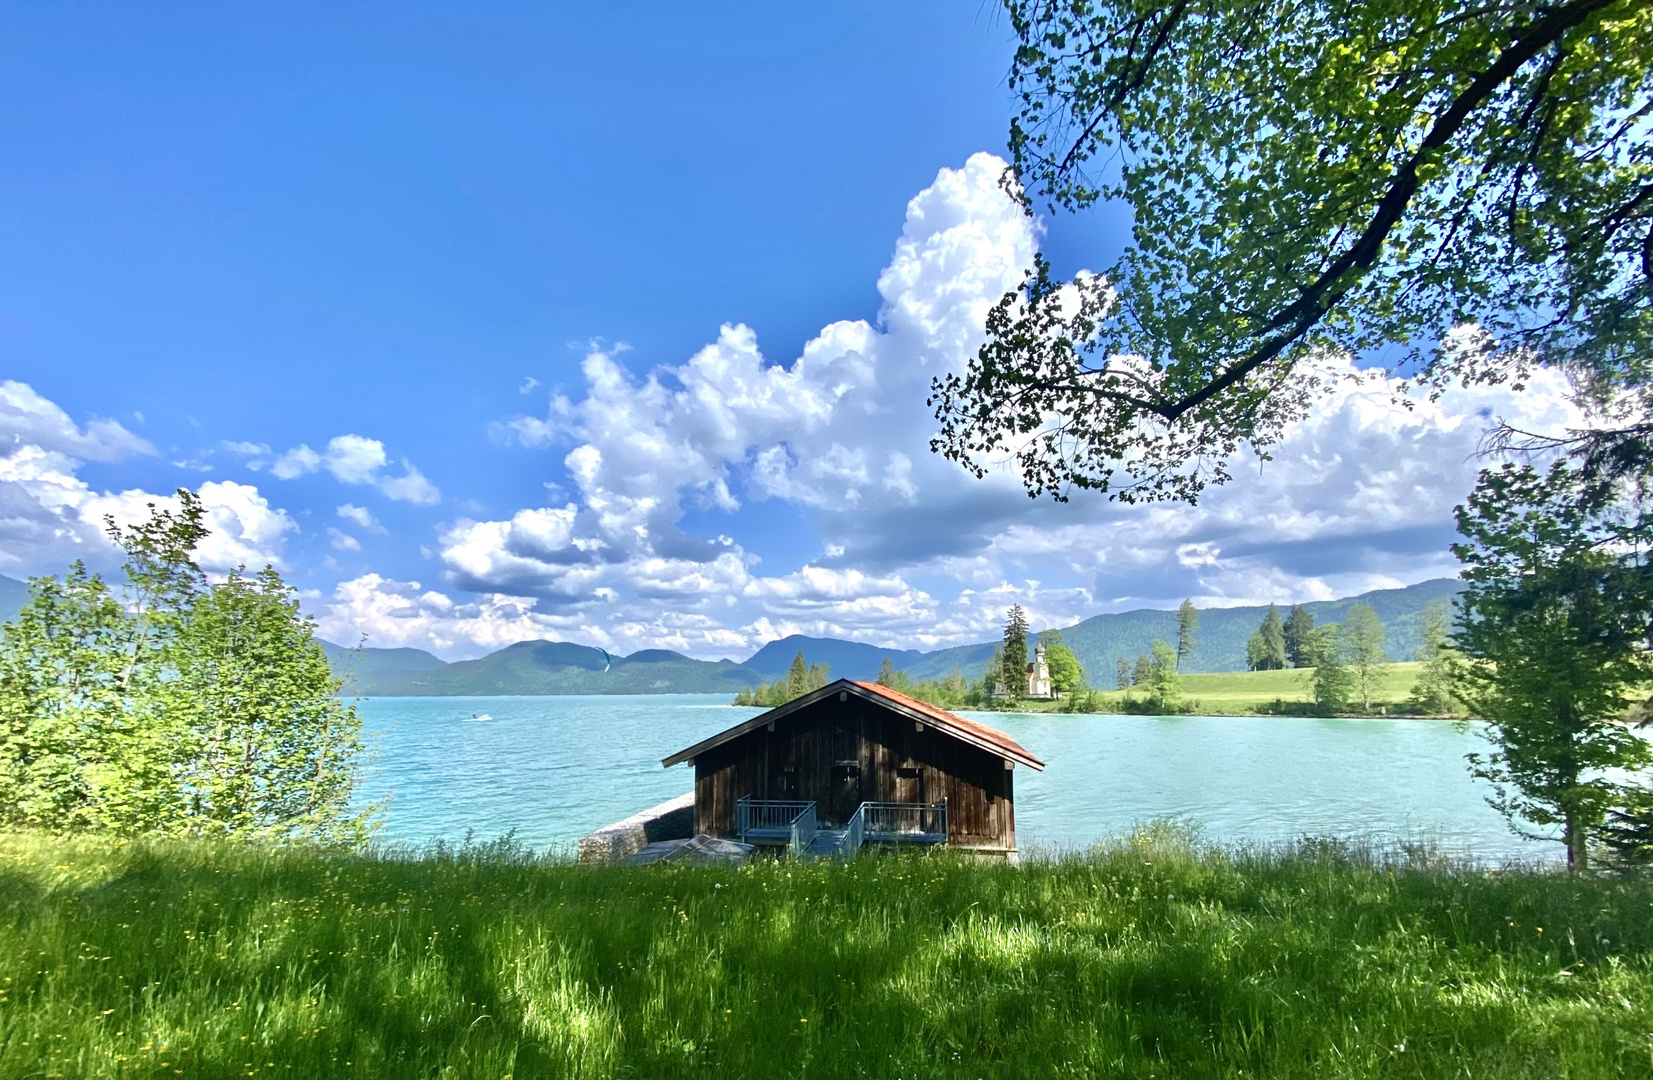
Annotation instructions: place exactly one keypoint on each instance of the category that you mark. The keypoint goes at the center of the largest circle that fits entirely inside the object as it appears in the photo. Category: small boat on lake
(477, 718)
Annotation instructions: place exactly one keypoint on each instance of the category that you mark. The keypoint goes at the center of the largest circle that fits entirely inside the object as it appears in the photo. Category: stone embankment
(671, 820)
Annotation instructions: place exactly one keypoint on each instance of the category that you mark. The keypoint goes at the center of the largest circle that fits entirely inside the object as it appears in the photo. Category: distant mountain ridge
(847, 659)
(533, 668)
(560, 667)
(1101, 640)
(1220, 641)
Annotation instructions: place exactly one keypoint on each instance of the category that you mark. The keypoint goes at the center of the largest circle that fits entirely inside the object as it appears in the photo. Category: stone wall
(671, 820)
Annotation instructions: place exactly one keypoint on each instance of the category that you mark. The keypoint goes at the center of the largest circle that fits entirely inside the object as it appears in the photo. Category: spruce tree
(797, 678)
(1188, 621)
(1122, 674)
(1266, 648)
(1015, 651)
(1299, 625)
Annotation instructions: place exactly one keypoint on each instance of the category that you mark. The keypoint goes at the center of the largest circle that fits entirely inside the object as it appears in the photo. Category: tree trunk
(1578, 855)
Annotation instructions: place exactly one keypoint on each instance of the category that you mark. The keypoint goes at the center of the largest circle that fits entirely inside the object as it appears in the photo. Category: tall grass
(1145, 958)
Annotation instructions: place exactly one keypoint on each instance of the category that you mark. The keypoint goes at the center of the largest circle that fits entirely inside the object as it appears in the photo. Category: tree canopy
(1332, 682)
(1432, 693)
(1363, 632)
(1066, 673)
(1470, 185)
(1556, 625)
(1266, 649)
(177, 704)
(801, 678)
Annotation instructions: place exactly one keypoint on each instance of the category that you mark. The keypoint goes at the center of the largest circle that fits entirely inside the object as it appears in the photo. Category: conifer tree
(1188, 621)
(1299, 625)
(1266, 649)
(1015, 651)
(1122, 674)
(797, 678)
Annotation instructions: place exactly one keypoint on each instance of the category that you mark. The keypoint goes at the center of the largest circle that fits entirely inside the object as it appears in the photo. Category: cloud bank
(49, 516)
(910, 550)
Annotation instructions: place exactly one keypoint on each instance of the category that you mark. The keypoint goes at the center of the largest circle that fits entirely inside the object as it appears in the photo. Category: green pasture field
(1242, 691)
(1239, 693)
(1149, 957)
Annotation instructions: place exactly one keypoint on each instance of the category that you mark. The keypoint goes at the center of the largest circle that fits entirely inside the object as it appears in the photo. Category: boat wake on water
(476, 718)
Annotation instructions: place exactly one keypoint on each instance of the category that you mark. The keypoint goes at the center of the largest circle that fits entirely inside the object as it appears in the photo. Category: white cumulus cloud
(911, 550)
(361, 517)
(50, 516)
(27, 419)
(352, 459)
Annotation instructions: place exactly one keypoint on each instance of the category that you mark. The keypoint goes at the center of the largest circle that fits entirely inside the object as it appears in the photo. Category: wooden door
(909, 784)
(844, 778)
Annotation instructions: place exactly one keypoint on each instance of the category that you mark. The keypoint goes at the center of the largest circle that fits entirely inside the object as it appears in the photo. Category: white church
(1038, 679)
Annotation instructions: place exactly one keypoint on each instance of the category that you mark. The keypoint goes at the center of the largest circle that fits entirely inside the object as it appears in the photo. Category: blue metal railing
(910, 822)
(795, 823)
(789, 820)
(854, 832)
(803, 830)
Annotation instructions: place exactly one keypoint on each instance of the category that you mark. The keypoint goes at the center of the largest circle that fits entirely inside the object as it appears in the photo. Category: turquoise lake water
(555, 768)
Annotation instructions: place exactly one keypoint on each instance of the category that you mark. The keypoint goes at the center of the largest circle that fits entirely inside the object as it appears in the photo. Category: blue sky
(485, 323)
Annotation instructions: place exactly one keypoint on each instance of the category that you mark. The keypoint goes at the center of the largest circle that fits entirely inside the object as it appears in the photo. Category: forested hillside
(1219, 644)
(537, 667)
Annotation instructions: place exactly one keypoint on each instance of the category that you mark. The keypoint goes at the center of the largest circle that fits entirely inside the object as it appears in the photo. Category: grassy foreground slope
(1146, 959)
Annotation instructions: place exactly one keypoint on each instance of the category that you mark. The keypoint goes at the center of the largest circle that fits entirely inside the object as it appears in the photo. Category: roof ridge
(963, 723)
(961, 727)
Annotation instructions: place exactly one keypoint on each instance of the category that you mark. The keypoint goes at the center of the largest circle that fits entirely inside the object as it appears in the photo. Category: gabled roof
(980, 735)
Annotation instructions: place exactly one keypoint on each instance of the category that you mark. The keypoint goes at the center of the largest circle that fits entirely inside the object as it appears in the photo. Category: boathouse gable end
(850, 745)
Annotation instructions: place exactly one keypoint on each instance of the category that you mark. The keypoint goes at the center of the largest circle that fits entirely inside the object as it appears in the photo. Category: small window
(907, 773)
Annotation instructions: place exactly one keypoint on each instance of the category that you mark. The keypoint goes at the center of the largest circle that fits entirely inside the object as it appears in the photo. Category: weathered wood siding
(843, 753)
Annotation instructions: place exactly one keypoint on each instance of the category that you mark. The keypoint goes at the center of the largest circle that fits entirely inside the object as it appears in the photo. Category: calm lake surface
(555, 768)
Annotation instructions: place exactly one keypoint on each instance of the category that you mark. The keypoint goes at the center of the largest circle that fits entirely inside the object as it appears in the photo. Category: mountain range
(532, 668)
(559, 667)
(555, 667)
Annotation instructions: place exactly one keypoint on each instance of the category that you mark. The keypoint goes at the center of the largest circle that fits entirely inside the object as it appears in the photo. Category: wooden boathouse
(856, 763)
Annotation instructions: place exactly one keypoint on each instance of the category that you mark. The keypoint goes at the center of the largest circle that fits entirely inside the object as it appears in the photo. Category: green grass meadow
(1239, 693)
(1149, 957)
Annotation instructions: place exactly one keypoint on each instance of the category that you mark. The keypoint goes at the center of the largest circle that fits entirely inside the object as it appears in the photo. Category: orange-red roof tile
(942, 716)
